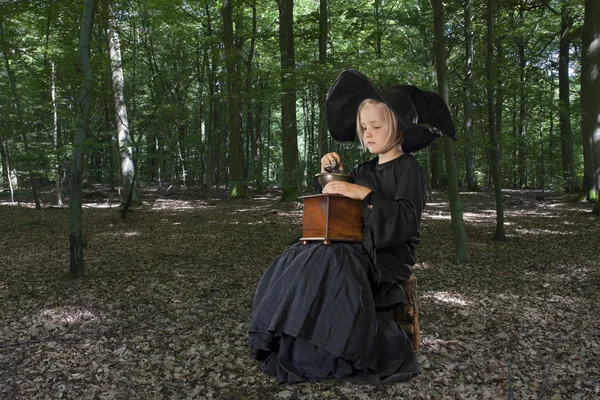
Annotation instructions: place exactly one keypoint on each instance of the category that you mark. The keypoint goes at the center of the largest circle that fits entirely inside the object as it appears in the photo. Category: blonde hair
(395, 135)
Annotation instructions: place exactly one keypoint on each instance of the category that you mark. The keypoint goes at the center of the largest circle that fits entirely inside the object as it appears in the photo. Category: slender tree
(323, 33)
(500, 96)
(254, 132)
(458, 224)
(122, 121)
(494, 150)
(82, 128)
(468, 101)
(57, 139)
(435, 165)
(4, 156)
(289, 131)
(236, 151)
(522, 127)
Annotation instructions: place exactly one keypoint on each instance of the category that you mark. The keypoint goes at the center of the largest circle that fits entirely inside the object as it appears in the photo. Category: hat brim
(351, 88)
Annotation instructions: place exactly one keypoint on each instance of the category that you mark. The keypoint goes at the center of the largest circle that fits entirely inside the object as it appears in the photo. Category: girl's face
(375, 128)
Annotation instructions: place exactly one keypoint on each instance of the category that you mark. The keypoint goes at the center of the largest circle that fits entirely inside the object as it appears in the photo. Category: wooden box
(331, 218)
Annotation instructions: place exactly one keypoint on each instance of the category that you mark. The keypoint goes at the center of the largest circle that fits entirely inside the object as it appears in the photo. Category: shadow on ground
(164, 306)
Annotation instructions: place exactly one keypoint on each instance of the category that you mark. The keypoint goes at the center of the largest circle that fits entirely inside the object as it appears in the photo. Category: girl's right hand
(331, 159)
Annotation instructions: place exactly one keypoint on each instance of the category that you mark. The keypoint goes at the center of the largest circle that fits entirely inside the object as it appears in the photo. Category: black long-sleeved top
(392, 214)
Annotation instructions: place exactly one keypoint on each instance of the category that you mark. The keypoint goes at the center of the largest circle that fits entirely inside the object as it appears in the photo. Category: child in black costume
(325, 311)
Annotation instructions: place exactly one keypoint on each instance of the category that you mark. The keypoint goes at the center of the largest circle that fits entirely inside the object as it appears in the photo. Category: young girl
(325, 311)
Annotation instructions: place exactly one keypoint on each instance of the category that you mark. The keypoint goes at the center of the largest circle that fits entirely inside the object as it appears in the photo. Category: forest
(164, 145)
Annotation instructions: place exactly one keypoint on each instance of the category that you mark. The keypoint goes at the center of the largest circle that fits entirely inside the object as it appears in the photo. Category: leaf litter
(163, 310)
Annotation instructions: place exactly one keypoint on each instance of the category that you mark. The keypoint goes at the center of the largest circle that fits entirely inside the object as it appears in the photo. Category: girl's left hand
(347, 189)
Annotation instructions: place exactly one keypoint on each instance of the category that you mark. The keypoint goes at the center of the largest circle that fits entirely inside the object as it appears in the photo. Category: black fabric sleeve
(393, 222)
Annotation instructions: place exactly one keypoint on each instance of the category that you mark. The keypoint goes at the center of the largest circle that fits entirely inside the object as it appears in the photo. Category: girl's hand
(347, 189)
(331, 159)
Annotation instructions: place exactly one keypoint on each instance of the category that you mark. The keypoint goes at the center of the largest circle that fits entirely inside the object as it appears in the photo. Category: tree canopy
(177, 85)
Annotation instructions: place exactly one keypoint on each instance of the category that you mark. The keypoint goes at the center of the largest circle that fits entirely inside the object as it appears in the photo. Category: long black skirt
(314, 318)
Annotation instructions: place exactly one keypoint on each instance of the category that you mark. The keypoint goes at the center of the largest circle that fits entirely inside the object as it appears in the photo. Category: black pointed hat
(423, 116)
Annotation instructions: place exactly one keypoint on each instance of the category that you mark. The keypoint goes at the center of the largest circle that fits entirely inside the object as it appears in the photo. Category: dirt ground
(163, 310)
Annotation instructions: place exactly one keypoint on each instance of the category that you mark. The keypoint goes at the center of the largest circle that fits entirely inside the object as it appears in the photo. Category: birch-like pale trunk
(456, 212)
(122, 122)
(56, 137)
(82, 128)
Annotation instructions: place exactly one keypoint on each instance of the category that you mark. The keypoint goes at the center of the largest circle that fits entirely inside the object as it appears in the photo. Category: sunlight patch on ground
(434, 343)
(534, 231)
(440, 217)
(100, 205)
(238, 222)
(483, 215)
(270, 198)
(53, 318)
(17, 204)
(295, 213)
(179, 205)
(438, 205)
(422, 266)
(119, 234)
(536, 213)
(448, 298)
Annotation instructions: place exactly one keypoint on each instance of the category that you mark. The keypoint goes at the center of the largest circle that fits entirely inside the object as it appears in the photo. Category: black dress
(325, 311)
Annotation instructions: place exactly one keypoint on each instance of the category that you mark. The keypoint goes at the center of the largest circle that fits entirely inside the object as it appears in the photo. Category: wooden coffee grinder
(331, 218)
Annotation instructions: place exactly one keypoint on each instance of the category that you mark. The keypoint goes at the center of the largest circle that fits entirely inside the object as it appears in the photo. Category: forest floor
(164, 307)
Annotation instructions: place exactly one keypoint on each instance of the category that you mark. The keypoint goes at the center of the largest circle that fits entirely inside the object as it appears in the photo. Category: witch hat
(423, 116)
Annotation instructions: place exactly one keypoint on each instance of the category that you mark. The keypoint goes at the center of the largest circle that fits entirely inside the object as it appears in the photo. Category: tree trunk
(456, 213)
(57, 139)
(522, 146)
(590, 101)
(494, 150)
(291, 179)
(564, 108)
(499, 89)
(323, 33)
(468, 102)
(590, 93)
(4, 155)
(82, 127)
(542, 155)
(236, 149)
(122, 122)
(254, 132)
(258, 155)
(213, 137)
(434, 162)
(200, 74)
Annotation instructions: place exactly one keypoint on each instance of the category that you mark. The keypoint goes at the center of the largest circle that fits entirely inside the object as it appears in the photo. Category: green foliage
(176, 96)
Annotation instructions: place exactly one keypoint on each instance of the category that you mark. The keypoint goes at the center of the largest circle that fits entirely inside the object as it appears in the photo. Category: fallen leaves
(163, 310)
